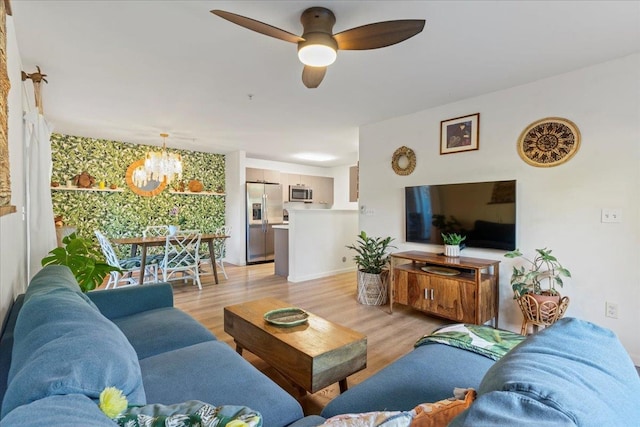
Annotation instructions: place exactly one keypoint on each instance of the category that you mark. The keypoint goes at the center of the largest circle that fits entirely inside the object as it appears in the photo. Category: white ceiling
(129, 70)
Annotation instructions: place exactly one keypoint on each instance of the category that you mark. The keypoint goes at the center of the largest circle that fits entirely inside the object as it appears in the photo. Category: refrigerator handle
(264, 213)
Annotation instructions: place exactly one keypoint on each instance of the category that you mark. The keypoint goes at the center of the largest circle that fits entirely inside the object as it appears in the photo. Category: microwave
(300, 193)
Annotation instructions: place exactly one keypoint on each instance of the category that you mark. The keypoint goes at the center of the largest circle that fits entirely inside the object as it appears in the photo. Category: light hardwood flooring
(389, 336)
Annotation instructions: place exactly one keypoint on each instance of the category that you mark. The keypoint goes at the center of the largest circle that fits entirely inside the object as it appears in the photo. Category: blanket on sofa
(484, 340)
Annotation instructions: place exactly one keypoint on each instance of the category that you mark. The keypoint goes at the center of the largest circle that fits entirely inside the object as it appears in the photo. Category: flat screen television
(484, 212)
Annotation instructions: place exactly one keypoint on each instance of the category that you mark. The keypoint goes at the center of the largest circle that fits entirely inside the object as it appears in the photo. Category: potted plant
(534, 287)
(85, 262)
(452, 243)
(372, 257)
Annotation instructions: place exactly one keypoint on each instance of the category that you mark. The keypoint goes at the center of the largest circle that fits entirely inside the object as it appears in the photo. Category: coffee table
(312, 356)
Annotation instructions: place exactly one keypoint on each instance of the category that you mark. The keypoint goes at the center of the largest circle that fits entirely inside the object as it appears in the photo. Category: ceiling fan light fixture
(317, 55)
(317, 50)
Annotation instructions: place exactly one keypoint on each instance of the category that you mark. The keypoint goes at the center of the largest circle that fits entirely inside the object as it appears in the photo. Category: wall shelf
(108, 190)
(200, 193)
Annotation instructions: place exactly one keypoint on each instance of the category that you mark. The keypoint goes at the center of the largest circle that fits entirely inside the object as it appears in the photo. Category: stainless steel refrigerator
(264, 210)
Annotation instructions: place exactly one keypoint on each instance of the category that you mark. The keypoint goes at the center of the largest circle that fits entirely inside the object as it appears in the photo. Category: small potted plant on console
(372, 257)
(452, 243)
(534, 288)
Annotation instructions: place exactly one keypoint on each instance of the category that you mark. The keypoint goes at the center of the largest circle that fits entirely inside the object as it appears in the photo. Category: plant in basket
(534, 286)
(372, 256)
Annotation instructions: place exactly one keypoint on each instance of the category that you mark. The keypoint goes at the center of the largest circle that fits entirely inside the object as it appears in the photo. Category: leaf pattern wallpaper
(122, 214)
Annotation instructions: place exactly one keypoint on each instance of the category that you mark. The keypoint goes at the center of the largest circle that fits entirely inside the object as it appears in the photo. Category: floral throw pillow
(192, 413)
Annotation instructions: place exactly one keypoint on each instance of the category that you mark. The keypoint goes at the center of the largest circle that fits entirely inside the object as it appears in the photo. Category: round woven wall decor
(549, 142)
(398, 156)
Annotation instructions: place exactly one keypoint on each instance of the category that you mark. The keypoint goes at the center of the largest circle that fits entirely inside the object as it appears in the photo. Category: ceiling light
(315, 157)
(318, 50)
(163, 166)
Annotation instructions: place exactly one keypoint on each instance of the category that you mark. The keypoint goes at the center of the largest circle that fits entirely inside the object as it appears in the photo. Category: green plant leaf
(85, 262)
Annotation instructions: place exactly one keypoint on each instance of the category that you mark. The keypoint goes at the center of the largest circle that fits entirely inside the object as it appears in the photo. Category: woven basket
(541, 310)
(372, 288)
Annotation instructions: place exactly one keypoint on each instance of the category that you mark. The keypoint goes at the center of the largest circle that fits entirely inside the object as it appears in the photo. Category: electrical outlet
(610, 215)
(611, 310)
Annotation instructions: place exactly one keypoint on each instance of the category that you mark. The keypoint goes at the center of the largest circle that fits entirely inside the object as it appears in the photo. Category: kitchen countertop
(281, 226)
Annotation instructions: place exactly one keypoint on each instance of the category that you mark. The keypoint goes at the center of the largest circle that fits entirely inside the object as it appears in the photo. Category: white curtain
(41, 233)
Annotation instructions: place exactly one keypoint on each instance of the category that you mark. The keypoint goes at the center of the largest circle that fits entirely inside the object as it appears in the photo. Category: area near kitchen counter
(281, 249)
(317, 240)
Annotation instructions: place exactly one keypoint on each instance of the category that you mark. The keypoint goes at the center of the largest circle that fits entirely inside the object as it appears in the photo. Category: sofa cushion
(55, 278)
(157, 331)
(6, 342)
(67, 410)
(63, 345)
(573, 372)
(426, 374)
(213, 372)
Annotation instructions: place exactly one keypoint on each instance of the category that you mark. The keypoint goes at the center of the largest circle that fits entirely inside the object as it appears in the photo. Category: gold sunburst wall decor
(403, 161)
(549, 142)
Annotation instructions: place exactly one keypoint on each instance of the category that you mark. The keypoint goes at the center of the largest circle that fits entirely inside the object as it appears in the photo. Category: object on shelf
(113, 186)
(55, 184)
(84, 180)
(178, 186)
(195, 186)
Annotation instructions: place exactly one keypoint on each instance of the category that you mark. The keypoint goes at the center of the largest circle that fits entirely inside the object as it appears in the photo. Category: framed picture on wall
(460, 134)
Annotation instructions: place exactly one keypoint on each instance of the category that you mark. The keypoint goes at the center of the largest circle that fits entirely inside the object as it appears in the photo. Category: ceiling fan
(318, 46)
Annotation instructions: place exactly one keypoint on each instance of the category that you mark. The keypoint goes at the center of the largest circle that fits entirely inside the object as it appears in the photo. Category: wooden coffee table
(312, 356)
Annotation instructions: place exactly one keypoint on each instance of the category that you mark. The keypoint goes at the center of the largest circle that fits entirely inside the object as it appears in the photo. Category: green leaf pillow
(191, 413)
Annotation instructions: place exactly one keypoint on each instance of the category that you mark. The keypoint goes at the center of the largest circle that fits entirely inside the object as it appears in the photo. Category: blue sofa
(573, 373)
(60, 348)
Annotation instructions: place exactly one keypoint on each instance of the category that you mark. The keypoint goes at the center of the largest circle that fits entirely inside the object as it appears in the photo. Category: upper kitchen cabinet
(262, 175)
(353, 184)
(297, 179)
(322, 190)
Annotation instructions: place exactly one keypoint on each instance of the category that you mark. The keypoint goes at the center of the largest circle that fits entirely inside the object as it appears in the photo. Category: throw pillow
(437, 414)
(442, 412)
(192, 413)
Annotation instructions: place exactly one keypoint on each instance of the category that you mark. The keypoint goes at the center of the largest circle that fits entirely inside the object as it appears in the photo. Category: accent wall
(124, 213)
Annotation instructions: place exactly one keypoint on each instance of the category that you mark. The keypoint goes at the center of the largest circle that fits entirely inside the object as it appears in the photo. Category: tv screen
(484, 212)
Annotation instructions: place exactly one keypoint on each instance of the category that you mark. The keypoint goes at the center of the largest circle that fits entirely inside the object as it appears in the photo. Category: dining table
(148, 241)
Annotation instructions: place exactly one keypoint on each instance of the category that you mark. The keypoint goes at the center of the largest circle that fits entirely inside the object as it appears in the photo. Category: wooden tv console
(470, 296)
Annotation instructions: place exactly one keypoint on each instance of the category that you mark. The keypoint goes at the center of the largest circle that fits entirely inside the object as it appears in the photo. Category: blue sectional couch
(573, 373)
(60, 348)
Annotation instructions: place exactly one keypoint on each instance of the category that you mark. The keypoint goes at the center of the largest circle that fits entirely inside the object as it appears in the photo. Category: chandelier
(163, 166)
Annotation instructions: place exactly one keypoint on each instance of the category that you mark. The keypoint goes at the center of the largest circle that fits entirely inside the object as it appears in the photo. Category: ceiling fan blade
(379, 34)
(257, 26)
(312, 76)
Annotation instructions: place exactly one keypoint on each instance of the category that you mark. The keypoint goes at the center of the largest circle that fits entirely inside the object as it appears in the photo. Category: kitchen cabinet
(353, 184)
(297, 179)
(284, 181)
(262, 175)
(323, 190)
(465, 290)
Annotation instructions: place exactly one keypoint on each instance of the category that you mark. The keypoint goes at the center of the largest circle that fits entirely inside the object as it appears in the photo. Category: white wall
(318, 240)
(557, 207)
(341, 188)
(235, 206)
(13, 268)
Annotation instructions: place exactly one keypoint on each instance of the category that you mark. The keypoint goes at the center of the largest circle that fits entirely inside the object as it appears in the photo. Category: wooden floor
(389, 336)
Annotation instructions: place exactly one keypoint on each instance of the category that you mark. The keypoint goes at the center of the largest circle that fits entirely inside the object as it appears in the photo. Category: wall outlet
(610, 215)
(611, 310)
